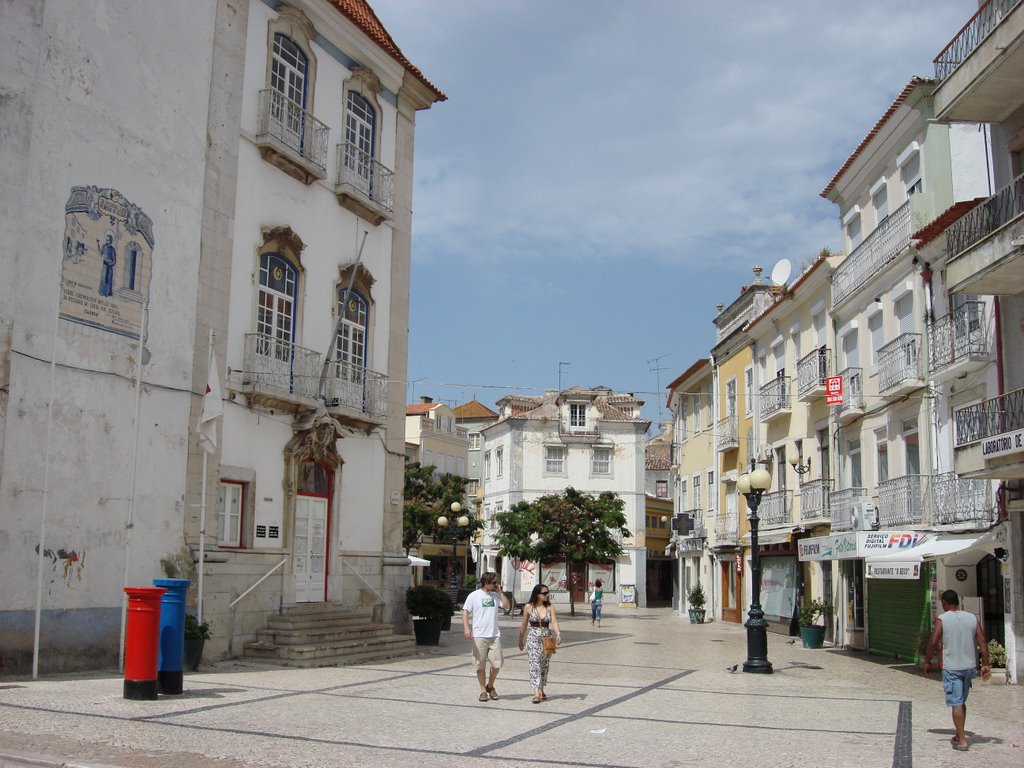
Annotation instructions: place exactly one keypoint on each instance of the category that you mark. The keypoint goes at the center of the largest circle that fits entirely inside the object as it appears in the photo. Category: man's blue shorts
(956, 684)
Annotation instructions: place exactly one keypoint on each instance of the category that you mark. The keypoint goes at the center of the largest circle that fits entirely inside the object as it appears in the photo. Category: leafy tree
(571, 525)
(427, 497)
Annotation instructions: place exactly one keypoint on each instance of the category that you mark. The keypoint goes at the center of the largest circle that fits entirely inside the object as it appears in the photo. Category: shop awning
(952, 549)
(415, 561)
(770, 537)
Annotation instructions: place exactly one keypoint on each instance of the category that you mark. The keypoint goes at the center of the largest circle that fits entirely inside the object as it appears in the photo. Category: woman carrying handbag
(538, 629)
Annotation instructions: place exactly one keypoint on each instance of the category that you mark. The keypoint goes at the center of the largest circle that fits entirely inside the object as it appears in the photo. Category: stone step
(391, 652)
(308, 609)
(292, 636)
(317, 621)
(331, 649)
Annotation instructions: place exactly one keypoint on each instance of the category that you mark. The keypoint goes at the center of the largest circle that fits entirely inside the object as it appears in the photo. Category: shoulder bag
(549, 645)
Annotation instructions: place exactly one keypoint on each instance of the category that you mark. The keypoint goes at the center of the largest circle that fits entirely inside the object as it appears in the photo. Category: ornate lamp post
(753, 486)
(461, 522)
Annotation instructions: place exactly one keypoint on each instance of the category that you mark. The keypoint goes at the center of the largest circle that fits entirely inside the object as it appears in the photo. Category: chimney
(426, 399)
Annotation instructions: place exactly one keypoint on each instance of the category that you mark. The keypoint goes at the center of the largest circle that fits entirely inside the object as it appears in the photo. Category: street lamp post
(753, 486)
(461, 523)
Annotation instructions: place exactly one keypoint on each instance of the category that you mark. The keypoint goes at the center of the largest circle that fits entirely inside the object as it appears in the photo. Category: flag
(213, 407)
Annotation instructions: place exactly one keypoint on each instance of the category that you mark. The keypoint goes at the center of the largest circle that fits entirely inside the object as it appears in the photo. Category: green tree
(427, 497)
(571, 525)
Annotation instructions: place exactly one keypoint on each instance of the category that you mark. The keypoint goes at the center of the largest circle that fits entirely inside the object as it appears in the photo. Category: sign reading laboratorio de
(896, 570)
(107, 261)
(1011, 442)
(858, 544)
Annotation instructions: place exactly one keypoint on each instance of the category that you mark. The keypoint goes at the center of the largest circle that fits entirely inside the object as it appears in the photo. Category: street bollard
(142, 637)
(170, 677)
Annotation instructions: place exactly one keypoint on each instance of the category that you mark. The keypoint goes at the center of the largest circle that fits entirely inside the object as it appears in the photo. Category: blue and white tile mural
(108, 261)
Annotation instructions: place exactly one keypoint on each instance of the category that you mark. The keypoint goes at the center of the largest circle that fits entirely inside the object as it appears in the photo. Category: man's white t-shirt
(483, 611)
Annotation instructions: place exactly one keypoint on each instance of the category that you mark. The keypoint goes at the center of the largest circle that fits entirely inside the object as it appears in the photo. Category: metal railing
(960, 335)
(727, 528)
(293, 127)
(853, 391)
(728, 433)
(775, 506)
(971, 36)
(985, 218)
(358, 388)
(842, 504)
(812, 370)
(879, 249)
(989, 418)
(775, 397)
(903, 500)
(815, 496)
(380, 600)
(899, 361)
(357, 169)
(959, 500)
(277, 365)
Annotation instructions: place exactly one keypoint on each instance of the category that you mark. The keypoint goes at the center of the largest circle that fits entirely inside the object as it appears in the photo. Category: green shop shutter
(899, 613)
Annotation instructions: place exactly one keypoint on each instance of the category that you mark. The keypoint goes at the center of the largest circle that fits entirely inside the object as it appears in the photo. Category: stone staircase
(327, 635)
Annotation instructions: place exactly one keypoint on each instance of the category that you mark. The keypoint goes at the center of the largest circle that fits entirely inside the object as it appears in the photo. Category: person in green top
(595, 603)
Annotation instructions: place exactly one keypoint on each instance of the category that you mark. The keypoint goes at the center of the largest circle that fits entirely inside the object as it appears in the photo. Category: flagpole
(202, 502)
(130, 525)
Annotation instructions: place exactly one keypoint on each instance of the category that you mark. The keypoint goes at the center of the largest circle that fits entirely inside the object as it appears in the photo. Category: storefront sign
(859, 544)
(1000, 445)
(893, 570)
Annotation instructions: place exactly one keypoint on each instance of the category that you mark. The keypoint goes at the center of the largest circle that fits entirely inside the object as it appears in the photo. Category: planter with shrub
(196, 634)
(811, 633)
(697, 600)
(429, 607)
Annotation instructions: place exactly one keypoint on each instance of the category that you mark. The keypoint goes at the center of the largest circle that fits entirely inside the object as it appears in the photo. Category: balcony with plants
(290, 138)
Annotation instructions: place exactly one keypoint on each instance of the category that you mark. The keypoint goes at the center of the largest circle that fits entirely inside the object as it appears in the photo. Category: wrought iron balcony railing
(775, 507)
(853, 393)
(357, 388)
(728, 433)
(985, 218)
(958, 500)
(359, 171)
(989, 418)
(815, 496)
(899, 362)
(971, 36)
(293, 128)
(775, 397)
(812, 370)
(903, 500)
(280, 367)
(842, 503)
(727, 528)
(879, 249)
(961, 335)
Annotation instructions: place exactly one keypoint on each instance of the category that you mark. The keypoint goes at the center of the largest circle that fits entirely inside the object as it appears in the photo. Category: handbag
(549, 645)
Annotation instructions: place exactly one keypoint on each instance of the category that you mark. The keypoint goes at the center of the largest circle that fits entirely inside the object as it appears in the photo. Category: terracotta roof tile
(361, 14)
(904, 95)
(474, 409)
(418, 409)
(941, 223)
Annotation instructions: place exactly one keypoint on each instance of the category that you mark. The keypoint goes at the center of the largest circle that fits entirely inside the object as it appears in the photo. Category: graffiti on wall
(66, 563)
(108, 261)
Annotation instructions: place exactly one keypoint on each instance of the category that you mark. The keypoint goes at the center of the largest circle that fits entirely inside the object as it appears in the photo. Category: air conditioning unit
(864, 514)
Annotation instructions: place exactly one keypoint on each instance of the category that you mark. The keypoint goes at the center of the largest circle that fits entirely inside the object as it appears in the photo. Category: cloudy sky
(604, 172)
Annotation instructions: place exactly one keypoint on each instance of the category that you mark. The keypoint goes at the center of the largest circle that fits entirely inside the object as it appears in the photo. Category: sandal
(543, 697)
(538, 699)
(493, 693)
(483, 696)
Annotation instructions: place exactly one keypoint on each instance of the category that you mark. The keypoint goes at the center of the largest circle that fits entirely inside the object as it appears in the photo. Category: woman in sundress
(539, 621)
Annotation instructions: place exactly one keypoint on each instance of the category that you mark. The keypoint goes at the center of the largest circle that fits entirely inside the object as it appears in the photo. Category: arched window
(275, 318)
(360, 128)
(288, 80)
(351, 341)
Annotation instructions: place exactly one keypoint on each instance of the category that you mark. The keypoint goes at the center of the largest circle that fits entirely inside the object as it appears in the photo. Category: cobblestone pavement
(646, 689)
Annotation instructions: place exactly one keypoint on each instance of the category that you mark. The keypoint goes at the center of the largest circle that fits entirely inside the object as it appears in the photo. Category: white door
(309, 549)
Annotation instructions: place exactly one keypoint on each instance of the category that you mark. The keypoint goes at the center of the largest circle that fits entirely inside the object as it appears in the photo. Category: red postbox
(142, 642)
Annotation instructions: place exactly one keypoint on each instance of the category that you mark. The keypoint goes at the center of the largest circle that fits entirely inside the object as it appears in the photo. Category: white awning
(415, 561)
(952, 549)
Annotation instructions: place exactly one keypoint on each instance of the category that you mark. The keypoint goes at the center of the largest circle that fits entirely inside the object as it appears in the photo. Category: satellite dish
(781, 271)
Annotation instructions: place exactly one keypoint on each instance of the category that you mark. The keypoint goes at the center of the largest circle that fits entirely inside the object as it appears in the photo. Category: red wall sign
(833, 390)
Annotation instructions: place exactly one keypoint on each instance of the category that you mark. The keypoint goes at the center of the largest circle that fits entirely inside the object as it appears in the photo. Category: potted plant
(811, 633)
(196, 634)
(429, 607)
(696, 598)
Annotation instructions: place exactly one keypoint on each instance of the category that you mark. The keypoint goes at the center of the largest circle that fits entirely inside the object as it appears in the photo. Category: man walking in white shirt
(482, 608)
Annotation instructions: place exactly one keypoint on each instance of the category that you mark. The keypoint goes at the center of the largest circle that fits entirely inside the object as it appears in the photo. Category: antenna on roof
(781, 271)
(560, 374)
(654, 365)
